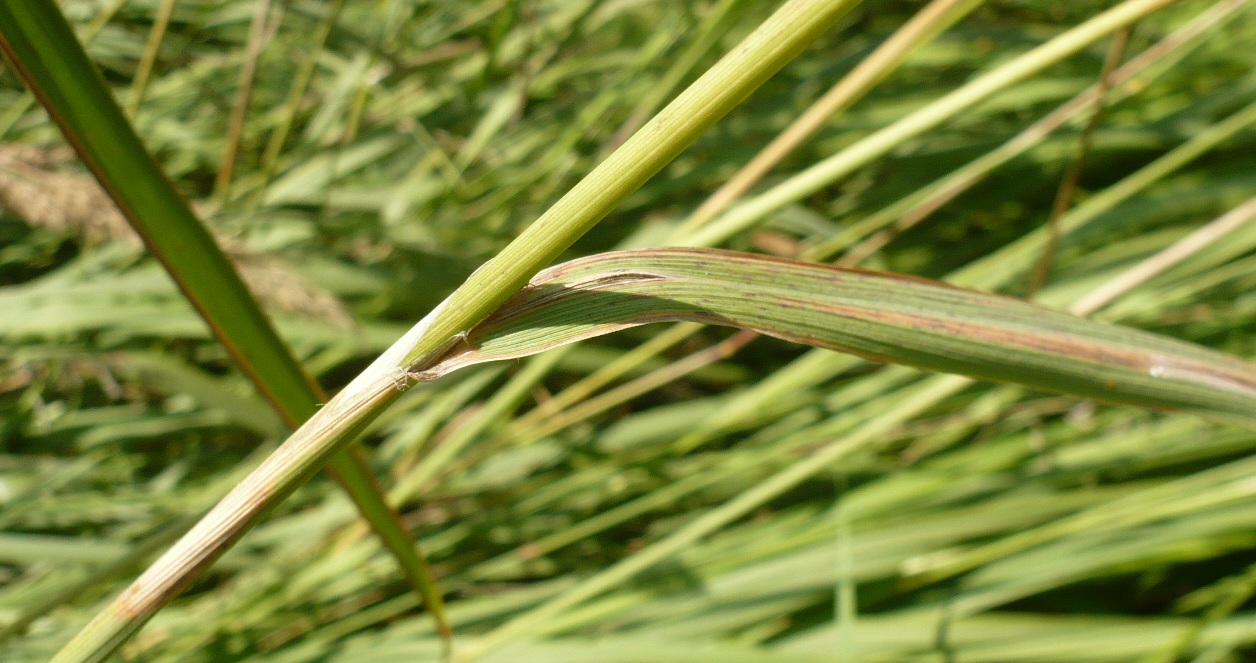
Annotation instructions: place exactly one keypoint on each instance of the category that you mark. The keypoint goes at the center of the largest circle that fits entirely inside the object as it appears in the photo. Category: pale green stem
(705, 36)
(721, 88)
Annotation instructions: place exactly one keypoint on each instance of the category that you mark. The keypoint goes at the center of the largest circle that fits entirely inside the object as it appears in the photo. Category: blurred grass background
(999, 525)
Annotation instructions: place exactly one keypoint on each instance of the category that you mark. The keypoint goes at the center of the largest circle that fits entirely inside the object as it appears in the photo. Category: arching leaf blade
(876, 315)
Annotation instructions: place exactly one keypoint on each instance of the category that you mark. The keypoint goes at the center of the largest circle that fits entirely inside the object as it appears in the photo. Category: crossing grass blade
(46, 54)
(773, 44)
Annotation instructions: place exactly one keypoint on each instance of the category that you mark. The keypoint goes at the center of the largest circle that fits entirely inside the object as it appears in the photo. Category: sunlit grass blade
(923, 203)
(1003, 266)
(924, 26)
(275, 143)
(44, 50)
(1179, 251)
(743, 215)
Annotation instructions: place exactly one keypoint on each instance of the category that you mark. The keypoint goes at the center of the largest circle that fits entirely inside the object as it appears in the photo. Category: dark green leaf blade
(43, 49)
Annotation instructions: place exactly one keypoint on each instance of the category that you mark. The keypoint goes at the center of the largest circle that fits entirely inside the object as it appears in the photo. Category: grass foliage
(660, 494)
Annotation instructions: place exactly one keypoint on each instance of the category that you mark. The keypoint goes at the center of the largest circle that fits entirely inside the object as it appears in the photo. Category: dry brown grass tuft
(37, 186)
(34, 190)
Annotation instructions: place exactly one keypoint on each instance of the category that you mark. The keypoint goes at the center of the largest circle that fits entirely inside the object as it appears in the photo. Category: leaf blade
(876, 315)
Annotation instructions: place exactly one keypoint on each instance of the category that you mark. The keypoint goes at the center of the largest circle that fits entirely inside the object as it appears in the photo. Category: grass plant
(659, 493)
